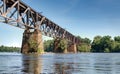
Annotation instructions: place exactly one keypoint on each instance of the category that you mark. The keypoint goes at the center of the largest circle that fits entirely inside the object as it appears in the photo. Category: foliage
(49, 45)
(62, 45)
(84, 48)
(117, 39)
(106, 50)
(100, 44)
(116, 47)
(34, 46)
(9, 49)
(40, 51)
(106, 44)
(96, 44)
(84, 40)
(85, 45)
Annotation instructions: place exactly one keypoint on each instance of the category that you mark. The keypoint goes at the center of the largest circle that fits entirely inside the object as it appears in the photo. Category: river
(50, 63)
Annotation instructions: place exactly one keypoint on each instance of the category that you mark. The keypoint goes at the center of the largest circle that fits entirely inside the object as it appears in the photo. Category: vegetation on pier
(34, 46)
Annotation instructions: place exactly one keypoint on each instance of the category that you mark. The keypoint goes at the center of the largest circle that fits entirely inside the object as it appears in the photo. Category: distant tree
(85, 44)
(117, 38)
(116, 47)
(84, 40)
(84, 48)
(87, 41)
(9, 49)
(106, 43)
(96, 44)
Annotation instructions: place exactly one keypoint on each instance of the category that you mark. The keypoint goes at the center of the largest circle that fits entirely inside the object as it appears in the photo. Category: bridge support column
(72, 48)
(60, 45)
(32, 42)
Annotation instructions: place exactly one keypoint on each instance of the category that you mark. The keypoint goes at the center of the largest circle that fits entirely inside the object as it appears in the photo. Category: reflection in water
(64, 64)
(80, 63)
(61, 68)
(31, 64)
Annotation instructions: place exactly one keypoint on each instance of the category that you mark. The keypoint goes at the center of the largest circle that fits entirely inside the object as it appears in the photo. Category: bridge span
(19, 14)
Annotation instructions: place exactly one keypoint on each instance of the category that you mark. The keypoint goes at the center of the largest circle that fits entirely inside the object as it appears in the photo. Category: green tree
(62, 45)
(84, 48)
(49, 45)
(87, 41)
(85, 44)
(106, 50)
(117, 47)
(117, 38)
(96, 44)
(106, 43)
(9, 49)
(84, 40)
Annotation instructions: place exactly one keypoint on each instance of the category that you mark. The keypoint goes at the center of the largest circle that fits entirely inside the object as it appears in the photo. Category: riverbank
(9, 49)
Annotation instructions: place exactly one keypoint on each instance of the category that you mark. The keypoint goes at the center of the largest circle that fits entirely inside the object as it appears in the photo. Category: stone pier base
(57, 49)
(56, 42)
(32, 42)
(72, 48)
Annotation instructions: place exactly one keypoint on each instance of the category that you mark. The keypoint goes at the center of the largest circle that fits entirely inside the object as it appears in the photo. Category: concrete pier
(72, 48)
(32, 42)
(57, 48)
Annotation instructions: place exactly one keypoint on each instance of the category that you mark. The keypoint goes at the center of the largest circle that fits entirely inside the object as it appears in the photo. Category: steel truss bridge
(19, 14)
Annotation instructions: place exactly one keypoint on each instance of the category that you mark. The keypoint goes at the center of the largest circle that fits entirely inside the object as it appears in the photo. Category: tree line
(9, 49)
(99, 44)
(105, 44)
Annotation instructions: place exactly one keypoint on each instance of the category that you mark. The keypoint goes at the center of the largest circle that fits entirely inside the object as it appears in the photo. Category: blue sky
(86, 18)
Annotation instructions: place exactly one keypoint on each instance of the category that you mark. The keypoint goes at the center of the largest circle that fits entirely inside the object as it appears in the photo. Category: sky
(86, 18)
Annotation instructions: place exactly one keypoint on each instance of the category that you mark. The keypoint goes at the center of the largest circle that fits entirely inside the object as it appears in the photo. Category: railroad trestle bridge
(19, 14)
